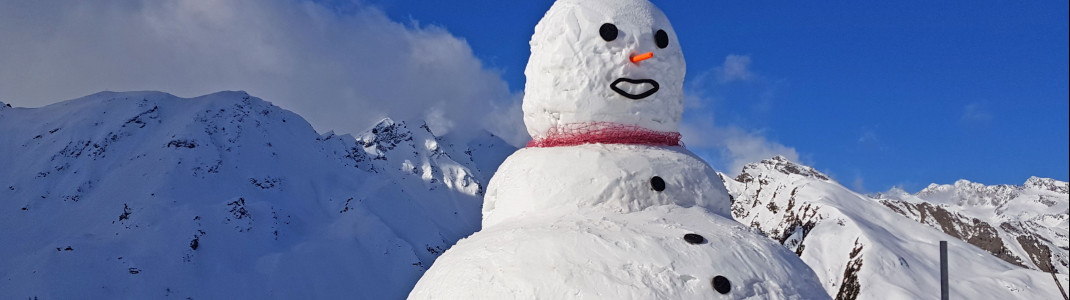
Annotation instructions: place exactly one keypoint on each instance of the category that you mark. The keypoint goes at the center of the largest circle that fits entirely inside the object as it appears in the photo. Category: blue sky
(878, 94)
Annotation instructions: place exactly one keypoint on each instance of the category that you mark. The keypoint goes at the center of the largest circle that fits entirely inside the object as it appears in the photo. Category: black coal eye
(694, 238)
(721, 284)
(657, 184)
(661, 39)
(608, 31)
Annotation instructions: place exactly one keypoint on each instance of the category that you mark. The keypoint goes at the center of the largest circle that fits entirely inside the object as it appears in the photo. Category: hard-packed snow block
(580, 73)
(592, 254)
(611, 178)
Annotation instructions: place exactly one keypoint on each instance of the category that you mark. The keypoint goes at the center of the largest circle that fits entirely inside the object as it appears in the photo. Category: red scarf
(604, 133)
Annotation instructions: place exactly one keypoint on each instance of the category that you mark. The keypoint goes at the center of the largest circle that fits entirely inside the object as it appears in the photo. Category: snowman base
(592, 254)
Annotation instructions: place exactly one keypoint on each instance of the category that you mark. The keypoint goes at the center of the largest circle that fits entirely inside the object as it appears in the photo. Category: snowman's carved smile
(634, 89)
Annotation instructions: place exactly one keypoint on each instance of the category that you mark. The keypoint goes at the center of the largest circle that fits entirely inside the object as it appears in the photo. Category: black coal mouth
(654, 87)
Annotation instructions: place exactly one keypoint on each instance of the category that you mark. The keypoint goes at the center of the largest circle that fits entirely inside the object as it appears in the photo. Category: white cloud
(868, 136)
(870, 141)
(735, 68)
(340, 71)
(730, 147)
(858, 185)
(976, 112)
(727, 147)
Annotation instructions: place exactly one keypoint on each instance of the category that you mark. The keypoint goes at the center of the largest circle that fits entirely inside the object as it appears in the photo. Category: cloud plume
(341, 71)
(727, 147)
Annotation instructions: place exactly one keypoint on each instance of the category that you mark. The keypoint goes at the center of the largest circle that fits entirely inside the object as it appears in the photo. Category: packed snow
(599, 254)
(573, 70)
(588, 222)
(610, 177)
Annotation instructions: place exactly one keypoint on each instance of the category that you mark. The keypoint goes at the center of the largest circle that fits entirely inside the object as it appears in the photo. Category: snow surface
(571, 67)
(598, 254)
(861, 249)
(144, 195)
(614, 178)
(584, 222)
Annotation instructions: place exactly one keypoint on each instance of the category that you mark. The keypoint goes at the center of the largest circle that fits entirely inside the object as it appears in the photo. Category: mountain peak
(385, 136)
(1048, 184)
(784, 165)
(130, 94)
(229, 94)
(385, 122)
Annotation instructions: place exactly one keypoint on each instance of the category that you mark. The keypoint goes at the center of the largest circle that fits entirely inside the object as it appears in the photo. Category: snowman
(605, 203)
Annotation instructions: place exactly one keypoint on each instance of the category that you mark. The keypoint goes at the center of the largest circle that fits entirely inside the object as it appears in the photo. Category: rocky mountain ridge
(867, 248)
(1021, 224)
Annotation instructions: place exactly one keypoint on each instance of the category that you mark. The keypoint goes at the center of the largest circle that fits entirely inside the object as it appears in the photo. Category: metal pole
(944, 288)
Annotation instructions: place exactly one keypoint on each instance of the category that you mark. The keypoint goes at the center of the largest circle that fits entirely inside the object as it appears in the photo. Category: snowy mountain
(1024, 225)
(145, 195)
(864, 248)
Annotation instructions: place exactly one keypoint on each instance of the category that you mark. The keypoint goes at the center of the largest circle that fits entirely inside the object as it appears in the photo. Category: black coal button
(694, 239)
(721, 284)
(657, 184)
(608, 31)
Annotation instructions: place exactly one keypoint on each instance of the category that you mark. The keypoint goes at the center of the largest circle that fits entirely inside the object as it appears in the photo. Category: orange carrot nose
(642, 57)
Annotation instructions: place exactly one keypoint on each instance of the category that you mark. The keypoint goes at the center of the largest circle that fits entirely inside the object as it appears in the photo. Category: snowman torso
(606, 177)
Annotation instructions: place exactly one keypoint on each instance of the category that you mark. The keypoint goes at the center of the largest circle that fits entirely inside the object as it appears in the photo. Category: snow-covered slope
(145, 195)
(1025, 225)
(861, 249)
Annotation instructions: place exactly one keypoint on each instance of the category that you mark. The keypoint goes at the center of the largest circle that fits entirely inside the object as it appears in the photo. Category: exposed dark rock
(744, 178)
(238, 212)
(126, 213)
(386, 136)
(346, 208)
(266, 182)
(190, 144)
(849, 287)
(970, 230)
(139, 121)
(1038, 252)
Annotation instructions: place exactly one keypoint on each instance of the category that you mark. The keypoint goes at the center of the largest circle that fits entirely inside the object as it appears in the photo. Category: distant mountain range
(148, 195)
(1004, 240)
(144, 195)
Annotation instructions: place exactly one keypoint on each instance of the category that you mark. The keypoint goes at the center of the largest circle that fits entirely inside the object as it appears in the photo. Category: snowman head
(603, 63)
